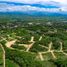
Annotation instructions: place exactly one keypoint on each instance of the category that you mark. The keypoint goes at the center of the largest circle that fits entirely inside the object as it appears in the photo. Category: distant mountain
(33, 13)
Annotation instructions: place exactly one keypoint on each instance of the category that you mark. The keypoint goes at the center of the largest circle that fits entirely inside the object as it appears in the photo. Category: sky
(33, 5)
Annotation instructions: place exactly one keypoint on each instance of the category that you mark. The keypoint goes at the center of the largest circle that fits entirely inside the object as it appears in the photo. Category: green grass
(10, 63)
(1, 58)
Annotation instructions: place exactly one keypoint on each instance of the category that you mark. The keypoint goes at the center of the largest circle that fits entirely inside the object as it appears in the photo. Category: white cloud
(7, 7)
(61, 3)
(37, 1)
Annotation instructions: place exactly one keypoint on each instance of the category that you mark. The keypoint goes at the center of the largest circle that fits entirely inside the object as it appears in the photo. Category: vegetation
(1, 58)
(33, 41)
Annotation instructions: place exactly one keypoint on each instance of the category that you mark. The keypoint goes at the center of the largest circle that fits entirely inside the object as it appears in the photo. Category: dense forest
(32, 41)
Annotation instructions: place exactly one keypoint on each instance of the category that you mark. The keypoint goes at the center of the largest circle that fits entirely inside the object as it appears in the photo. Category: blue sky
(33, 5)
